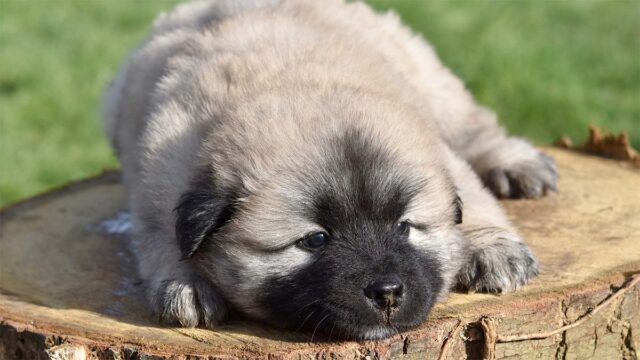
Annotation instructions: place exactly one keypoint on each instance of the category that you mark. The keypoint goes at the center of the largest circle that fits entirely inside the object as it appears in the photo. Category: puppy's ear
(202, 210)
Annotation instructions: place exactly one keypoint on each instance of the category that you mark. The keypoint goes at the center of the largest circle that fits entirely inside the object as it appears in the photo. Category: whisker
(316, 329)
(305, 320)
(302, 308)
(332, 327)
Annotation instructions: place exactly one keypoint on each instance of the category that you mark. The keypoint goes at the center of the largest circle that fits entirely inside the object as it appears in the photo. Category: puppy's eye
(314, 241)
(402, 228)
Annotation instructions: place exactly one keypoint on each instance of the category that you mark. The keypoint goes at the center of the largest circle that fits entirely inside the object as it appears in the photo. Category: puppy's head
(344, 232)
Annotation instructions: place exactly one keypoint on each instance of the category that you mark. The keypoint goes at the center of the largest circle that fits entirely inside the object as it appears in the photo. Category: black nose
(385, 292)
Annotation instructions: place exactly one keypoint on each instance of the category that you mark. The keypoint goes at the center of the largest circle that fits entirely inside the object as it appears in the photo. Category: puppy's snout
(385, 292)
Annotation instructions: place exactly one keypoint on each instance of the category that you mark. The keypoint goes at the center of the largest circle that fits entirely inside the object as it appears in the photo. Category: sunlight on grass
(546, 67)
(54, 63)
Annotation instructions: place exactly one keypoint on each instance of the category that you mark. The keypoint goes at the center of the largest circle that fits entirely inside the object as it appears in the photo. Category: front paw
(188, 302)
(530, 177)
(502, 265)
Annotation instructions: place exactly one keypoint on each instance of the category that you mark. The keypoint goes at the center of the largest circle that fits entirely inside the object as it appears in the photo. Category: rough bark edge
(53, 345)
(20, 341)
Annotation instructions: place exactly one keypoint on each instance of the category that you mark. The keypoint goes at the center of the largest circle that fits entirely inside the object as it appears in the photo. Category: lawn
(546, 67)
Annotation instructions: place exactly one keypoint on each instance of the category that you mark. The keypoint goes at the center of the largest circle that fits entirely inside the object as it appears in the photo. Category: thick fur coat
(247, 128)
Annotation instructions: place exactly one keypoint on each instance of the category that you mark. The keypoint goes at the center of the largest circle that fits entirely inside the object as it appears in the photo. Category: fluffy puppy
(308, 164)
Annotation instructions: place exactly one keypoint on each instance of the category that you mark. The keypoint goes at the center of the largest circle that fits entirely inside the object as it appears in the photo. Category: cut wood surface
(69, 289)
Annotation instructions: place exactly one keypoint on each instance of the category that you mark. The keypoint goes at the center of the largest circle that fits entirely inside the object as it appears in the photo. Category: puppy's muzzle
(386, 292)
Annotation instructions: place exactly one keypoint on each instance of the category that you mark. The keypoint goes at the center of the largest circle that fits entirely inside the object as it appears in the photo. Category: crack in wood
(627, 285)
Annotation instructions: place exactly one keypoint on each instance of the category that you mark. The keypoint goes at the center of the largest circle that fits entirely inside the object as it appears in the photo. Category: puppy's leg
(509, 166)
(187, 300)
(497, 259)
(178, 295)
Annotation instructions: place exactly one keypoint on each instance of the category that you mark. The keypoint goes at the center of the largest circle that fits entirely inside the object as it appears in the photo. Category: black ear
(201, 211)
(457, 215)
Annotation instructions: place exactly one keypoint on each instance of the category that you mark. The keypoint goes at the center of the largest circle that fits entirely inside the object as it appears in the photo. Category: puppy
(312, 165)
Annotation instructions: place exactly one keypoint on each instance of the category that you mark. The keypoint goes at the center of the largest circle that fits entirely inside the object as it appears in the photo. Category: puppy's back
(129, 98)
(226, 45)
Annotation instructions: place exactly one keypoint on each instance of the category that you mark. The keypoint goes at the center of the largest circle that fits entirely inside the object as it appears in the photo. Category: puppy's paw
(526, 173)
(189, 303)
(502, 265)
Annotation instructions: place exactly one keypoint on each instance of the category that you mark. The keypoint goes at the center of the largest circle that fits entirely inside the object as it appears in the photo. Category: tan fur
(249, 87)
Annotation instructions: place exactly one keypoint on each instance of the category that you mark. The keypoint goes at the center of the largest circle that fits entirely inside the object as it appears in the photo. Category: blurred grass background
(546, 67)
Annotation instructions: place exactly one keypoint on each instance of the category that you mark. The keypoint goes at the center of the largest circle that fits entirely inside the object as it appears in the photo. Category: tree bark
(69, 288)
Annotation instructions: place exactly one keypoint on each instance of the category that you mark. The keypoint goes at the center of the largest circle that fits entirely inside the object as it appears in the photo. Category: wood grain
(69, 290)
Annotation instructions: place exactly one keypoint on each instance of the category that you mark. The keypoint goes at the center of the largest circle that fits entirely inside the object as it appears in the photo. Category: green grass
(546, 67)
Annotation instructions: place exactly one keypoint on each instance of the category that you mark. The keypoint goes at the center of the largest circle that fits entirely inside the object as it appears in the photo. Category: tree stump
(69, 289)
